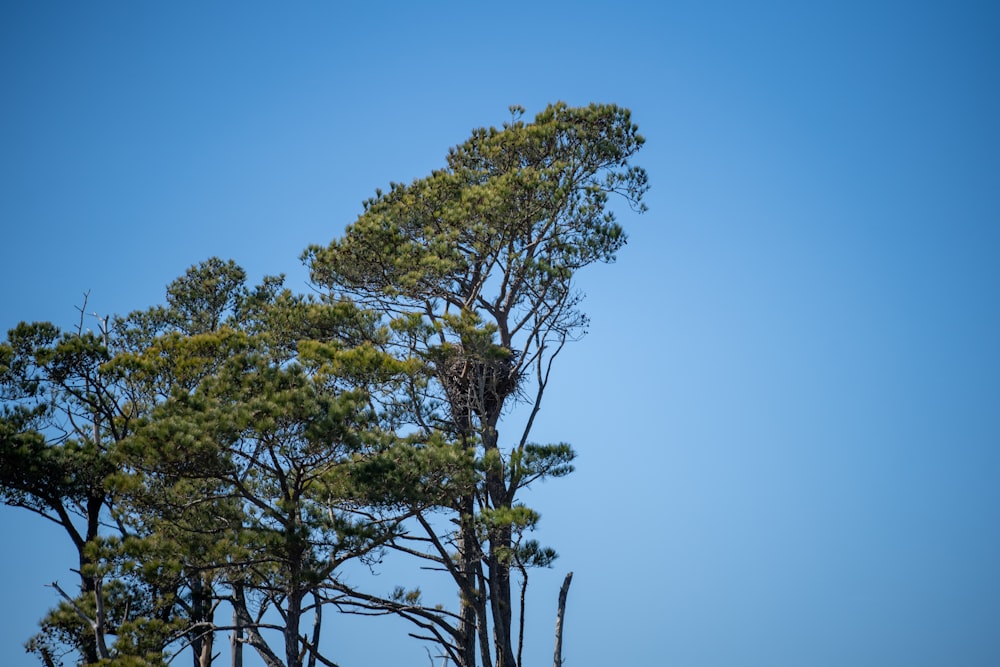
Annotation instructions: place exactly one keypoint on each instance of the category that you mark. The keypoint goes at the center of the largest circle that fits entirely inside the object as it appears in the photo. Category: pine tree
(473, 268)
(267, 466)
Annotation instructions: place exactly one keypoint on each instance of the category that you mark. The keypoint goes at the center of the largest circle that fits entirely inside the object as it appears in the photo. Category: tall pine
(473, 267)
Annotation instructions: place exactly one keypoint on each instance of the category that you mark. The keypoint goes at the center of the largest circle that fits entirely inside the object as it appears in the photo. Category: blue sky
(787, 410)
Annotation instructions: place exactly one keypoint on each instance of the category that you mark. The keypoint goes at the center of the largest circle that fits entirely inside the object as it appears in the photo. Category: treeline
(217, 459)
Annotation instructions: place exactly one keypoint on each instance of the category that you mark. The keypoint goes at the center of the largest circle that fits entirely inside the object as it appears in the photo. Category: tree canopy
(233, 448)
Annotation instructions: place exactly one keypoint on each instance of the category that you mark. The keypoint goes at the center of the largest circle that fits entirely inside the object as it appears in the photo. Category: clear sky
(787, 410)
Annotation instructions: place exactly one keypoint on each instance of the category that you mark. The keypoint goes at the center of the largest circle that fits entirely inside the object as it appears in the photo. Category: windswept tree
(472, 267)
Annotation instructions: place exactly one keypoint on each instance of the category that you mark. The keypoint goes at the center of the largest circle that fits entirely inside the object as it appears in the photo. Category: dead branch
(560, 613)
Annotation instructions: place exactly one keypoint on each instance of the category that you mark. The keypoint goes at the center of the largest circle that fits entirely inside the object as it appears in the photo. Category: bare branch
(557, 660)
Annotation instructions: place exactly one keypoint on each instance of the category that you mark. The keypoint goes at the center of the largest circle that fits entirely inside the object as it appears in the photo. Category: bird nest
(476, 382)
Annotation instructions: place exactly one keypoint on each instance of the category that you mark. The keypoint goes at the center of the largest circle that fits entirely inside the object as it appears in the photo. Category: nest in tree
(476, 382)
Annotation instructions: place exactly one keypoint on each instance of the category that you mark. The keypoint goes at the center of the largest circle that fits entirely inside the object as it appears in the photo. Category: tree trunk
(202, 642)
(253, 635)
(500, 598)
(560, 613)
(520, 618)
(317, 628)
(499, 558)
(90, 644)
(293, 610)
(484, 618)
(468, 554)
(293, 616)
(236, 641)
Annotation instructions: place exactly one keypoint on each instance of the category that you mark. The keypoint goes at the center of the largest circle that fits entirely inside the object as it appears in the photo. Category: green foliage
(411, 474)
(200, 301)
(239, 443)
(532, 554)
(403, 596)
(533, 462)
(472, 268)
(260, 468)
(525, 200)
